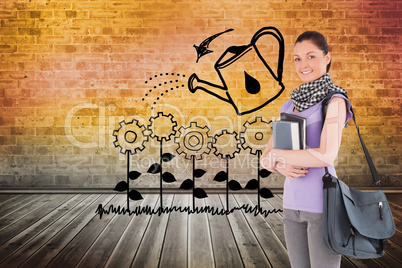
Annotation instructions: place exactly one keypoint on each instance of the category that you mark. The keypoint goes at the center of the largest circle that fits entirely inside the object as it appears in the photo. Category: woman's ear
(328, 58)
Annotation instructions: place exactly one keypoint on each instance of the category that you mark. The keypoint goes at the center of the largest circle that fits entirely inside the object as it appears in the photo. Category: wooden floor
(63, 230)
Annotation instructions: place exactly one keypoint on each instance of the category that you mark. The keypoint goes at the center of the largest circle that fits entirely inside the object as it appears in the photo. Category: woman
(304, 169)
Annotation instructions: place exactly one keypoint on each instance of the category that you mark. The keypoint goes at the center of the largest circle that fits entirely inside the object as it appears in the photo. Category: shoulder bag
(355, 223)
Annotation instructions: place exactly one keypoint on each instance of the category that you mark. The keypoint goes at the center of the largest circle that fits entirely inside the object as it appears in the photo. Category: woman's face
(310, 61)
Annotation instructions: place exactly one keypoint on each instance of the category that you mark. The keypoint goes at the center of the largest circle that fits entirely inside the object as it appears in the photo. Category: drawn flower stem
(193, 158)
(128, 179)
(258, 193)
(227, 183)
(161, 176)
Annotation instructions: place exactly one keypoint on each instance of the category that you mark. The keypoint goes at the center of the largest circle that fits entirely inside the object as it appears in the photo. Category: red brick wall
(70, 71)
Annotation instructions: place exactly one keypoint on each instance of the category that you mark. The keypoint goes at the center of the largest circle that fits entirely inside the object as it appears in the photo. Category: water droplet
(252, 84)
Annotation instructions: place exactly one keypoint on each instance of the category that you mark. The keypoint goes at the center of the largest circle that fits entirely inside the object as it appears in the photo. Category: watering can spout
(194, 84)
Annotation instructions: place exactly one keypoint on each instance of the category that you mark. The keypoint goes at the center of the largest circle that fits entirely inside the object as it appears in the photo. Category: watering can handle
(267, 30)
(274, 32)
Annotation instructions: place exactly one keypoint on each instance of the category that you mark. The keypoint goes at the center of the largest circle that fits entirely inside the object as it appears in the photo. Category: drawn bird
(202, 49)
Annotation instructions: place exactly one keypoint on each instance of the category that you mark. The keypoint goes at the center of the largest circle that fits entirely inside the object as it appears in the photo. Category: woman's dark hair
(318, 39)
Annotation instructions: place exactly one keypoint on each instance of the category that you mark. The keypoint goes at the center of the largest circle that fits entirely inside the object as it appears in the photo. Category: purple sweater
(306, 193)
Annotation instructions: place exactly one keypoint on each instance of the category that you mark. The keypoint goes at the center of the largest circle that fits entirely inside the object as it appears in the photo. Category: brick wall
(70, 71)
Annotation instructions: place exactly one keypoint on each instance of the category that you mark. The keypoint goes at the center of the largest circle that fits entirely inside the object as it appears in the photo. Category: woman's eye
(311, 57)
(297, 59)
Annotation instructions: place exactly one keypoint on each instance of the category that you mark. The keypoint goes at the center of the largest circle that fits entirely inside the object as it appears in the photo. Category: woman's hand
(291, 172)
(267, 160)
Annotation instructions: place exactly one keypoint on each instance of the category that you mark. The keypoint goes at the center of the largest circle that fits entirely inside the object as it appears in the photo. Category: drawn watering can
(256, 86)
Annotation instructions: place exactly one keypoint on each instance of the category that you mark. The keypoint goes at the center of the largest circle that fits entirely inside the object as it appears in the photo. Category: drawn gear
(256, 135)
(226, 144)
(165, 127)
(130, 137)
(193, 141)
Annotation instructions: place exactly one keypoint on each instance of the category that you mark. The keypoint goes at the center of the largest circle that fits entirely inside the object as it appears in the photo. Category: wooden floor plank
(270, 243)
(396, 199)
(25, 210)
(346, 263)
(174, 252)
(99, 252)
(364, 263)
(149, 252)
(200, 252)
(395, 251)
(275, 220)
(51, 227)
(226, 252)
(50, 242)
(13, 229)
(388, 261)
(276, 202)
(397, 237)
(37, 229)
(250, 250)
(397, 217)
(78, 246)
(124, 252)
(18, 205)
(6, 199)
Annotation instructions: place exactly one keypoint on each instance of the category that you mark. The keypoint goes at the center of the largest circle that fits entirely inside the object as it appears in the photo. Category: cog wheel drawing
(162, 127)
(256, 135)
(130, 137)
(193, 141)
(226, 144)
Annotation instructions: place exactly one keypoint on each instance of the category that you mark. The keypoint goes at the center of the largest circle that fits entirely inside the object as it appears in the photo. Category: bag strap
(373, 170)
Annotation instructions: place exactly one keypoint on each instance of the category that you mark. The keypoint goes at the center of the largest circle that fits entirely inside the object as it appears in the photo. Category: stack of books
(289, 133)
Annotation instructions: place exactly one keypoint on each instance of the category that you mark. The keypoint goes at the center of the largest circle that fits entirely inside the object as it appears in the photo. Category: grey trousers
(303, 235)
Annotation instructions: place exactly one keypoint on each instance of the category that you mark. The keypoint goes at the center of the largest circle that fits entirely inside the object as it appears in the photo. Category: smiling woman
(303, 189)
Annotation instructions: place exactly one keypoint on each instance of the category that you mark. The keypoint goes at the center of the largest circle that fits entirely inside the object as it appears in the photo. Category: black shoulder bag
(355, 223)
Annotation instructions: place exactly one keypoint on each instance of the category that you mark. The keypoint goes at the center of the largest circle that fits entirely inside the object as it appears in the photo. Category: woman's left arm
(330, 141)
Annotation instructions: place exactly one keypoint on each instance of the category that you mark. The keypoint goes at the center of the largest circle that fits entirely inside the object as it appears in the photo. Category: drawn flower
(256, 135)
(193, 141)
(162, 127)
(130, 137)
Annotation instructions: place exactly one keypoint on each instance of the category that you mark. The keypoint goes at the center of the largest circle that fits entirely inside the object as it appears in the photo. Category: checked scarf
(313, 92)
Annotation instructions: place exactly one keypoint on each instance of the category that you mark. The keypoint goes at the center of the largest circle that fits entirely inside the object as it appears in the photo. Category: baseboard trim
(51, 190)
